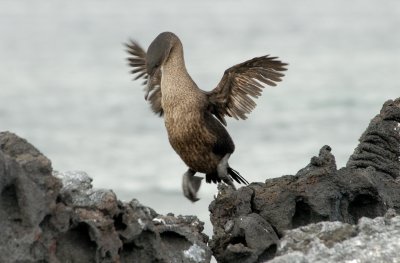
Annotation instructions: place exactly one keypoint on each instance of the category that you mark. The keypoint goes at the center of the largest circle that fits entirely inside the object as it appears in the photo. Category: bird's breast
(191, 140)
(183, 124)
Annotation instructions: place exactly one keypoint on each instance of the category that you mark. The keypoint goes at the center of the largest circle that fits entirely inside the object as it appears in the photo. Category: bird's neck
(177, 86)
(174, 67)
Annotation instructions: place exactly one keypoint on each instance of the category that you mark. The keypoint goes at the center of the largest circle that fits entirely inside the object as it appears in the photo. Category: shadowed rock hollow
(48, 216)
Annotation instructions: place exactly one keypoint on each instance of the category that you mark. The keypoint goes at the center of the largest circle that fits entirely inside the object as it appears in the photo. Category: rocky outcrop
(60, 218)
(48, 216)
(249, 222)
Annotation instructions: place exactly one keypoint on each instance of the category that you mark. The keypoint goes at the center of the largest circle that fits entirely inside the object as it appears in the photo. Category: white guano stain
(195, 253)
(159, 221)
(142, 225)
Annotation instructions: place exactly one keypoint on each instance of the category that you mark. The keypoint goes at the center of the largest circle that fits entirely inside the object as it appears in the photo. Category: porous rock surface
(249, 222)
(371, 240)
(47, 216)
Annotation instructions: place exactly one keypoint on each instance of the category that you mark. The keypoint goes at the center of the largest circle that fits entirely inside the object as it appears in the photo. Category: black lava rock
(367, 187)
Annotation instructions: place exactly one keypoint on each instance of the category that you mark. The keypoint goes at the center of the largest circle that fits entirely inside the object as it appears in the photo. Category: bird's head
(157, 54)
(159, 51)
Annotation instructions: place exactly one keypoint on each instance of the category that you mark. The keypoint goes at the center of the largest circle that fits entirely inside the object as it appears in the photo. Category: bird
(195, 118)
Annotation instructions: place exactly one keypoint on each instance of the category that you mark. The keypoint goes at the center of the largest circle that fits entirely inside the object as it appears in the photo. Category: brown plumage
(194, 118)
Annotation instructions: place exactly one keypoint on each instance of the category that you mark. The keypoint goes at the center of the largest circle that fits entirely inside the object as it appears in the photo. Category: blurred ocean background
(65, 84)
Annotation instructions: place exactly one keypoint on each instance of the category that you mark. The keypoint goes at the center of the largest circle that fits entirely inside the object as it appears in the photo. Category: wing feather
(137, 61)
(240, 84)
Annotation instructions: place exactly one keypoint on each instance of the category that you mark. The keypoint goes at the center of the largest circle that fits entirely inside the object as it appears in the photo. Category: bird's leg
(222, 169)
(191, 184)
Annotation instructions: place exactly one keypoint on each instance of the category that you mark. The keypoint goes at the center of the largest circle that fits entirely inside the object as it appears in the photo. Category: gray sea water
(65, 86)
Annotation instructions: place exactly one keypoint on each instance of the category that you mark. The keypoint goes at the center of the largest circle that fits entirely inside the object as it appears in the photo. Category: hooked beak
(153, 81)
(147, 89)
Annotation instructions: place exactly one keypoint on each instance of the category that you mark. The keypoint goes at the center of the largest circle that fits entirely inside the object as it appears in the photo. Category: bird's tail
(213, 177)
(236, 176)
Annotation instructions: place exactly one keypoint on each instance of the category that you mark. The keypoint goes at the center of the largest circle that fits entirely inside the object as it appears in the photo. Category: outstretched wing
(241, 83)
(137, 60)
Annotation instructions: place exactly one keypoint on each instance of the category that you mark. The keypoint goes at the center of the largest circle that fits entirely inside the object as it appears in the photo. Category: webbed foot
(191, 185)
